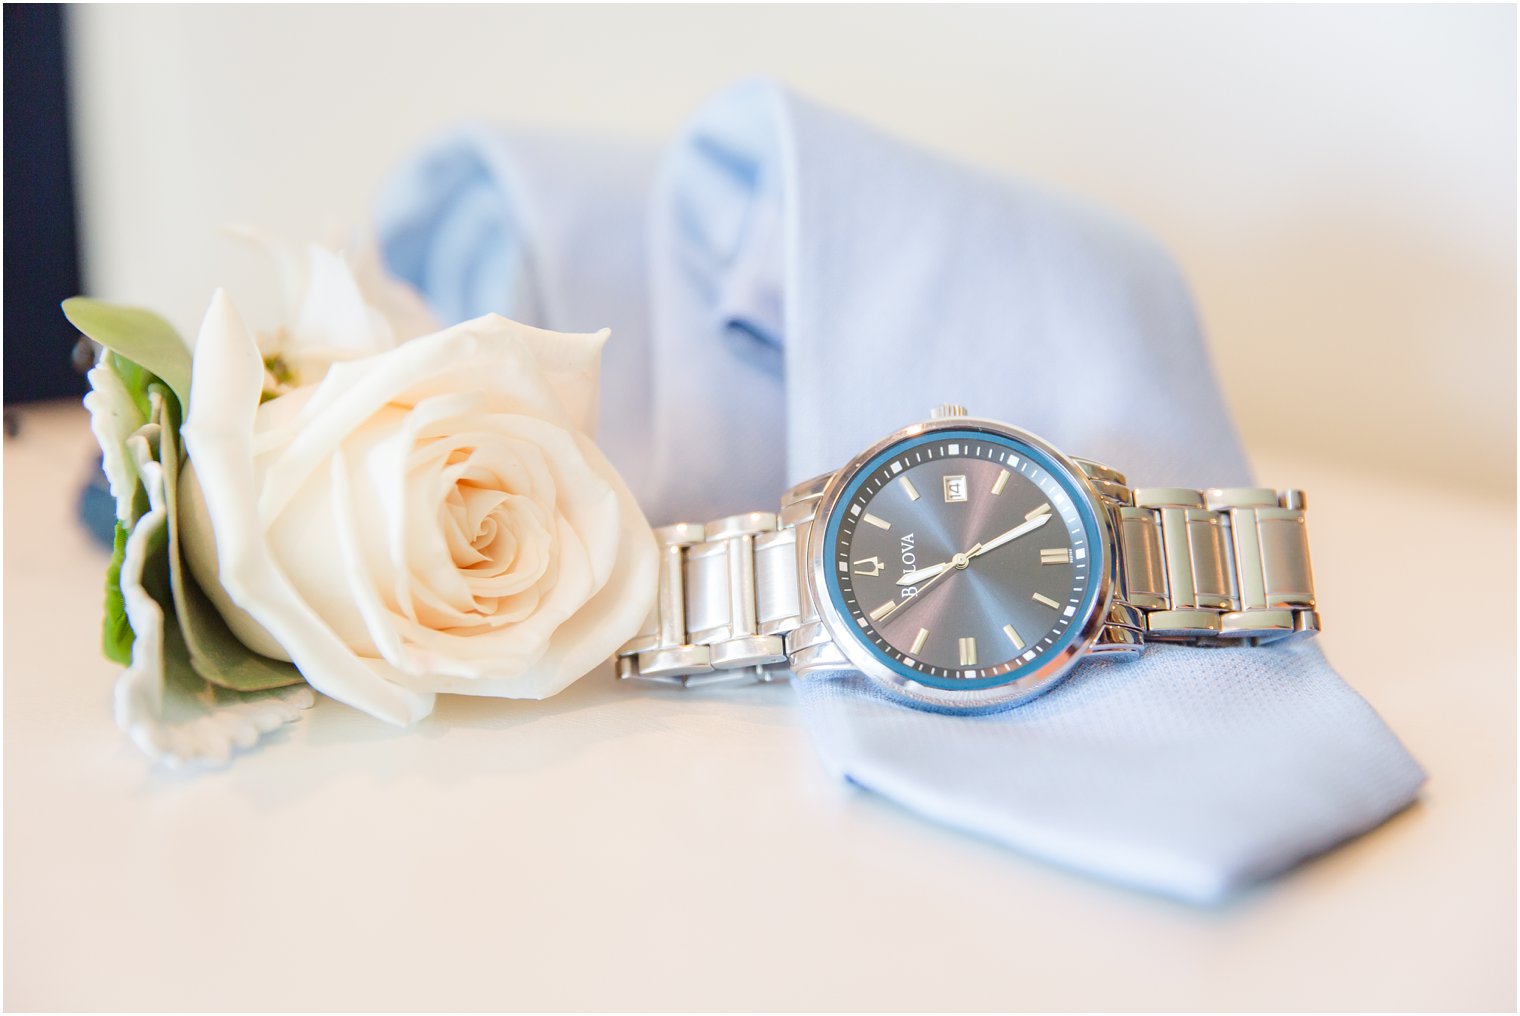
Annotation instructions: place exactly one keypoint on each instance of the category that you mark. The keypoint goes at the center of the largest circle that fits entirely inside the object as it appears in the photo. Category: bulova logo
(909, 562)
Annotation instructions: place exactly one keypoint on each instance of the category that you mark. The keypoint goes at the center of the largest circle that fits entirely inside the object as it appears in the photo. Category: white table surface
(625, 848)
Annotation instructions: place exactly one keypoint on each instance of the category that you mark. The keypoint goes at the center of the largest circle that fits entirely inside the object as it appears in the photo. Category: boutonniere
(357, 503)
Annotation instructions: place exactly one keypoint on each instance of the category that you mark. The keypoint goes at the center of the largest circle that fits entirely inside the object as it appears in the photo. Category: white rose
(430, 518)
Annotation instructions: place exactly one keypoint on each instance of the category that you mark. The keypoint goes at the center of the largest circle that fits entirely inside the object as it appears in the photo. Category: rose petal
(489, 354)
(339, 307)
(621, 605)
(585, 619)
(218, 434)
(378, 618)
(572, 365)
(333, 311)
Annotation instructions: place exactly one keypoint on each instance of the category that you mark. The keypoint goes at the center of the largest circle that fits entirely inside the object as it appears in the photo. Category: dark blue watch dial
(962, 558)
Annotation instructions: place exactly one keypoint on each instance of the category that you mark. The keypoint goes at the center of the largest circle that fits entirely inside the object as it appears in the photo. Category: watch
(965, 565)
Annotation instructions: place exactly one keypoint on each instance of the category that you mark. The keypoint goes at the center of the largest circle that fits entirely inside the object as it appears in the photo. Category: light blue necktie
(789, 273)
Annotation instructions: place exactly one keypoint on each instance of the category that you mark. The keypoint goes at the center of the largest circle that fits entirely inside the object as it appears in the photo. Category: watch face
(963, 559)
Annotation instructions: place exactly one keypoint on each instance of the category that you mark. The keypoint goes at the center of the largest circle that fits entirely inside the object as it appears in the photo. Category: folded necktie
(811, 286)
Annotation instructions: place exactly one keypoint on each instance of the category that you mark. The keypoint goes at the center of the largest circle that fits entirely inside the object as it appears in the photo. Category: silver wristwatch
(965, 565)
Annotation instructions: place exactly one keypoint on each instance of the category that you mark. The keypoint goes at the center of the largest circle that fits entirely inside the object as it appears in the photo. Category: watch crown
(946, 411)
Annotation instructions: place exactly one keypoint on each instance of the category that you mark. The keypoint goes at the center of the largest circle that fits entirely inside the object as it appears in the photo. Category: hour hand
(924, 573)
(958, 561)
(936, 574)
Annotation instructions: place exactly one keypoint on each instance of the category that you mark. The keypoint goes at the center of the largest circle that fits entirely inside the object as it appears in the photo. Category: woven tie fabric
(1187, 778)
(790, 286)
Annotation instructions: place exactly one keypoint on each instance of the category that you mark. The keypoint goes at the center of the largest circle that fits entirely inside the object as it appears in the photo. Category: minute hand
(1014, 533)
(977, 551)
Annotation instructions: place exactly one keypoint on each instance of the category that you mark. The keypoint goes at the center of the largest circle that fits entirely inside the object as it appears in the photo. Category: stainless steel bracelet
(1211, 567)
(1214, 567)
(728, 601)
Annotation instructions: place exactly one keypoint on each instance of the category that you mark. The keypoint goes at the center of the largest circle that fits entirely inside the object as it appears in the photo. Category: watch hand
(956, 563)
(978, 550)
(923, 573)
(1014, 533)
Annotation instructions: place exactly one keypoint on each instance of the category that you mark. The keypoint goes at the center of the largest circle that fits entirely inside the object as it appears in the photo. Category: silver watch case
(1050, 673)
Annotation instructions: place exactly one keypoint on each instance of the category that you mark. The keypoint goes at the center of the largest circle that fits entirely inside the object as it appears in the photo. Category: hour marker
(908, 486)
(955, 488)
(1046, 600)
(878, 523)
(918, 641)
(1039, 511)
(883, 610)
(870, 566)
(1013, 637)
(968, 652)
(1055, 555)
(1000, 482)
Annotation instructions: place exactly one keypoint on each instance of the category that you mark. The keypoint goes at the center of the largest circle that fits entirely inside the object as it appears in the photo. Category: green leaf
(134, 379)
(214, 651)
(180, 673)
(139, 336)
(116, 631)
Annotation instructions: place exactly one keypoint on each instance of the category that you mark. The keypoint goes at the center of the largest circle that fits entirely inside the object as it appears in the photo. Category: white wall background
(1338, 183)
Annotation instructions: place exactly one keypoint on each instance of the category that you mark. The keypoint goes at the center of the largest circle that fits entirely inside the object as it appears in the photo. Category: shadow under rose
(598, 690)
(472, 740)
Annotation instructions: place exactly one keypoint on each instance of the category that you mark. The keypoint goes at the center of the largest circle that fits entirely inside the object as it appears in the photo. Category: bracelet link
(1143, 572)
(1223, 566)
(727, 596)
(1285, 571)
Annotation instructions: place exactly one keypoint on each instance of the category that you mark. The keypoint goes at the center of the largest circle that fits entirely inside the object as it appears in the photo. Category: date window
(955, 488)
